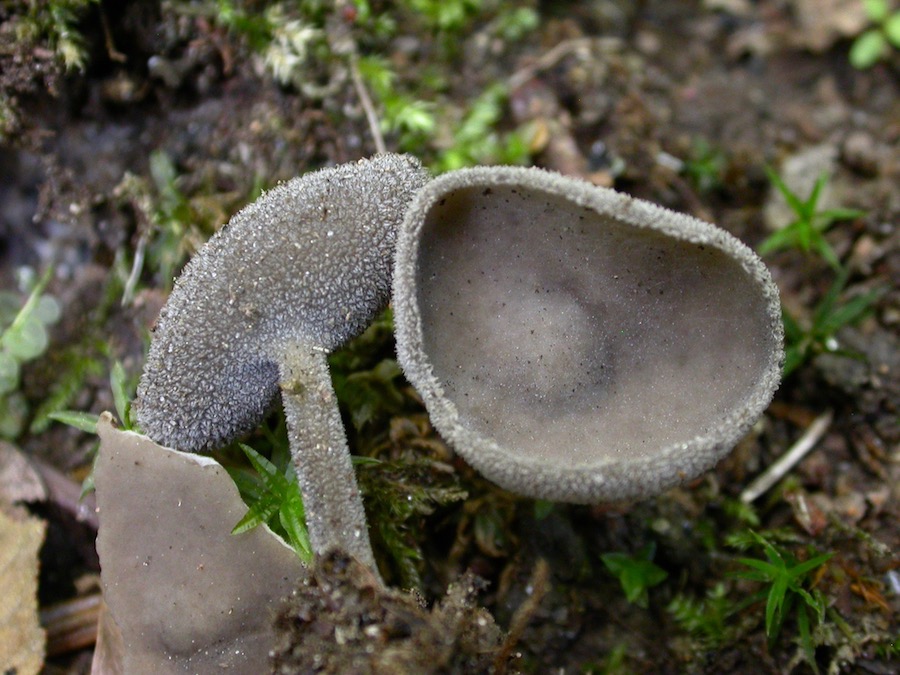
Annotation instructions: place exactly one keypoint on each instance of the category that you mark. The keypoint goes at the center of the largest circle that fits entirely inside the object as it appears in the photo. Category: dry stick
(111, 51)
(365, 99)
(137, 267)
(71, 624)
(65, 494)
(788, 460)
(540, 576)
(547, 60)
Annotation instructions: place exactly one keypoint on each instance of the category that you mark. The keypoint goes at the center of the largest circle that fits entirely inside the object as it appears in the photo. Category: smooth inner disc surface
(568, 335)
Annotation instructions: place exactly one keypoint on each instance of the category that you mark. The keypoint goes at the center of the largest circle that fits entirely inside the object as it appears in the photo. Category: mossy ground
(174, 121)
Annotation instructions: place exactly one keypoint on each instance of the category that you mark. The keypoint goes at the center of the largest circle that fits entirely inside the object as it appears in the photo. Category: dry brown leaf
(21, 636)
(19, 480)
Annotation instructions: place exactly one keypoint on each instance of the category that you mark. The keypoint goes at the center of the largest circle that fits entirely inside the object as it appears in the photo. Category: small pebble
(860, 153)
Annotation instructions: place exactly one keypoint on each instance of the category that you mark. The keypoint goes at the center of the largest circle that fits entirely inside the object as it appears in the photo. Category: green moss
(54, 23)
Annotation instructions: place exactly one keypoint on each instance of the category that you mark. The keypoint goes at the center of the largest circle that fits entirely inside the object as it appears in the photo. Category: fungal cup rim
(611, 477)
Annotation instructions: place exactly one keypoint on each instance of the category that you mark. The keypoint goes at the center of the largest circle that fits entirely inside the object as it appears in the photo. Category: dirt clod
(340, 620)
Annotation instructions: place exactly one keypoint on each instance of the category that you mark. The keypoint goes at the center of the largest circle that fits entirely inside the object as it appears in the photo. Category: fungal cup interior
(567, 335)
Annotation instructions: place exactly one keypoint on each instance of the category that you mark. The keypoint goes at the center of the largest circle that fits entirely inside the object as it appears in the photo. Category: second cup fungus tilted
(255, 313)
(576, 344)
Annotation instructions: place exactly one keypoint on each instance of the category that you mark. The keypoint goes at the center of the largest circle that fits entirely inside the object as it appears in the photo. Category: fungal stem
(335, 516)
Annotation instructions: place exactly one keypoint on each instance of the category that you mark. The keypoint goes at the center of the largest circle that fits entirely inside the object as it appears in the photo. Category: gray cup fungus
(306, 265)
(254, 315)
(575, 344)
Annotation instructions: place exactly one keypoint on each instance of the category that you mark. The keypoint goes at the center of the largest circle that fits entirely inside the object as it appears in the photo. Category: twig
(539, 585)
(111, 51)
(366, 101)
(65, 493)
(72, 624)
(137, 267)
(547, 60)
(788, 460)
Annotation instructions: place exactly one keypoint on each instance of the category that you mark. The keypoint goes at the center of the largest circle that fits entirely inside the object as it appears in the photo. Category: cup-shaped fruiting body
(290, 278)
(309, 263)
(185, 595)
(576, 344)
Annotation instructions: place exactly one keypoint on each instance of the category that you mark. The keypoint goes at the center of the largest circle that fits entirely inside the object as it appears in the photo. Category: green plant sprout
(399, 495)
(476, 140)
(706, 619)
(636, 573)
(787, 588)
(71, 367)
(370, 395)
(807, 231)
(875, 44)
(55, 22)
(303, 49)
(172, 224)
(445, 15)
(802, 343)
(614, 663)
(705, 165)
(255, 28)
(74, 364)
(123, 393)
(517, 22)
(23, 338)
(273, 497)
(171, 216)
(473, 137)
(413, 120)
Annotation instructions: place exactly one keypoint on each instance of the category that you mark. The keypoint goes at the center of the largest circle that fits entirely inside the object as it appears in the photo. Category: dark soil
(682, 103)
(382, 630)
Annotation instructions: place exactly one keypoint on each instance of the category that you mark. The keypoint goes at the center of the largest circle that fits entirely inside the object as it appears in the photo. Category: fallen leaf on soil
(19, 480)
(186, 594)
(536, 105)
(21, 636)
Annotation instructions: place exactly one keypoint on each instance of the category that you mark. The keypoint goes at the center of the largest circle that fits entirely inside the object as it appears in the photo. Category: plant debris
(341, 620)
(131, 132)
